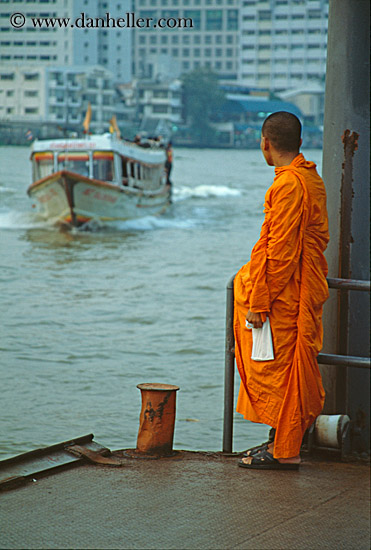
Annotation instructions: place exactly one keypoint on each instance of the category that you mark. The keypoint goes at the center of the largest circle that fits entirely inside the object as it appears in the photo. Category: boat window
(43, 165)
(147, 172)
(103, 166)
(74, 162)
(124, 168)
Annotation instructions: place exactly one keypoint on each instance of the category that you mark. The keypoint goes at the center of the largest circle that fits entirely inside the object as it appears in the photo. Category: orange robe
(285, 278)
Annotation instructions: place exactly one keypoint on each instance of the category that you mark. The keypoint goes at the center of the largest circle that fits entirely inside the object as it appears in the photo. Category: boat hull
(68, 198)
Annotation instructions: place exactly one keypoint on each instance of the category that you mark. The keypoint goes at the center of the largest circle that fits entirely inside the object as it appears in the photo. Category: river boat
(98, 178)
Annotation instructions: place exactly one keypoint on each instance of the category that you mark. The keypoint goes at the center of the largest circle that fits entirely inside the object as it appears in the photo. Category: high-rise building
(56, 96)
(283, 44)
(76, 38)
(198, 33)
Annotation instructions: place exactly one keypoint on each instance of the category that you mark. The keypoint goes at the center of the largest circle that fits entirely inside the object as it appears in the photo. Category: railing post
(229, 371)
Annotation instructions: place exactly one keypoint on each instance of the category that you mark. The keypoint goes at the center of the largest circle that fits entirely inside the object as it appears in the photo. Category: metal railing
(323, 358)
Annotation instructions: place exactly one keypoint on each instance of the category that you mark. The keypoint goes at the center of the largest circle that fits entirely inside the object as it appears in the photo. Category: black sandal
(256, 450)
(262, 447)
(265, 461)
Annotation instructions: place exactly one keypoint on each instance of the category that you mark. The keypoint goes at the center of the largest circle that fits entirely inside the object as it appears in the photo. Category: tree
(202, 97)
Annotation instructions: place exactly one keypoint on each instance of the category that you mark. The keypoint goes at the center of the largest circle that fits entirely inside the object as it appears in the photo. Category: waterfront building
(212, 41)
(283, 50)
(151, 107)
(67, 43)
(22, 93)
(45, 98)
(71, 89)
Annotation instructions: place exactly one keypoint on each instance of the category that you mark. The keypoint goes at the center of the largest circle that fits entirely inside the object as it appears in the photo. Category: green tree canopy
(202, 97)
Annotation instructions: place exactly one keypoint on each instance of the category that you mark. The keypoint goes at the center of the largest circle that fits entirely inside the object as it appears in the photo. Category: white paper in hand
(262, 344)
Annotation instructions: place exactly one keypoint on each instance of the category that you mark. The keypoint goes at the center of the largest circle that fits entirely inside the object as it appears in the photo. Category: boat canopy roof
(105, 142)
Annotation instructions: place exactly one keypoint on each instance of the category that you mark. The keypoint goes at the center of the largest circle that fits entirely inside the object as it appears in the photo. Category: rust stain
(350, 141)
(350, 145)
(150, 413)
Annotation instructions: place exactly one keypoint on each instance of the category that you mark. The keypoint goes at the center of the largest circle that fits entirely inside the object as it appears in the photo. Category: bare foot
(247, 459)
(291, 460)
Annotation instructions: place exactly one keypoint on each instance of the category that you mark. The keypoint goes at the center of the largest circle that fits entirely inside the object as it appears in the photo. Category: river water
(88, 315)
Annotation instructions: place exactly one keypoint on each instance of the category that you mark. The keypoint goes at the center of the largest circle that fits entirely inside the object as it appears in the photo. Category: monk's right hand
(254, 319)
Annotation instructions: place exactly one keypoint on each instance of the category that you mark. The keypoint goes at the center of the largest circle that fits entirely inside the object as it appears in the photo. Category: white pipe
(329, 430)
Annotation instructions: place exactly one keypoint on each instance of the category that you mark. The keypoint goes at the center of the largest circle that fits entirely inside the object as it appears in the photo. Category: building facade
(22, 93)
(69, 90)
(211, 39)
(76, 38)
(283, 43)
(56, 96)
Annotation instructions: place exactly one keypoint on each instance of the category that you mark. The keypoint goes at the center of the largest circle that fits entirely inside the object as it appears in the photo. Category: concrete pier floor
(191, 501)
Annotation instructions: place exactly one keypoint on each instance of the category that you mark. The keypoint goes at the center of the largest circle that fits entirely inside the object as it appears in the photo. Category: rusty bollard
(157, 419)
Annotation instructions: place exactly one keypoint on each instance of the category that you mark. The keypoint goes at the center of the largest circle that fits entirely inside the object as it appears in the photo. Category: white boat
(99, 178)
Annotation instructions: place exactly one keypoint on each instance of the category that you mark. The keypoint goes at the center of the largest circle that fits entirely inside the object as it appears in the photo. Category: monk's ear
(301, 142)
(265, 143)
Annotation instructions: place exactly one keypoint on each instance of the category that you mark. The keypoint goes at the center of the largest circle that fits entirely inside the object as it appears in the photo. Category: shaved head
(283, 130)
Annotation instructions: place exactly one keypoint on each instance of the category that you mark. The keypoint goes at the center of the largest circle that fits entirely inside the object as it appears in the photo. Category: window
(74, 162)
(232, 20)
(264, 15)
(160, 94)
(170, 13)
(31, 110)
(214, 20)
(31, 93)
(42, 165)
(163, 109)
(91, 97)
(195, 15)
(7, 76)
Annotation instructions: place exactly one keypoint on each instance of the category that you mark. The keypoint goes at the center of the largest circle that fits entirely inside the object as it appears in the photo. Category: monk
(285, 280)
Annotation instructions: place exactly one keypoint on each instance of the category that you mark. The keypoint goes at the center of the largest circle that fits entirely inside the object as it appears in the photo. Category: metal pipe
(349, 284)
(344, 360)
(229, 371)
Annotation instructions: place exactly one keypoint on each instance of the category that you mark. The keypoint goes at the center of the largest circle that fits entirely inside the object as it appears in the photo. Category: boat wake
(147, 223)
(204, 191)
(21, 220)
(16, 219)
